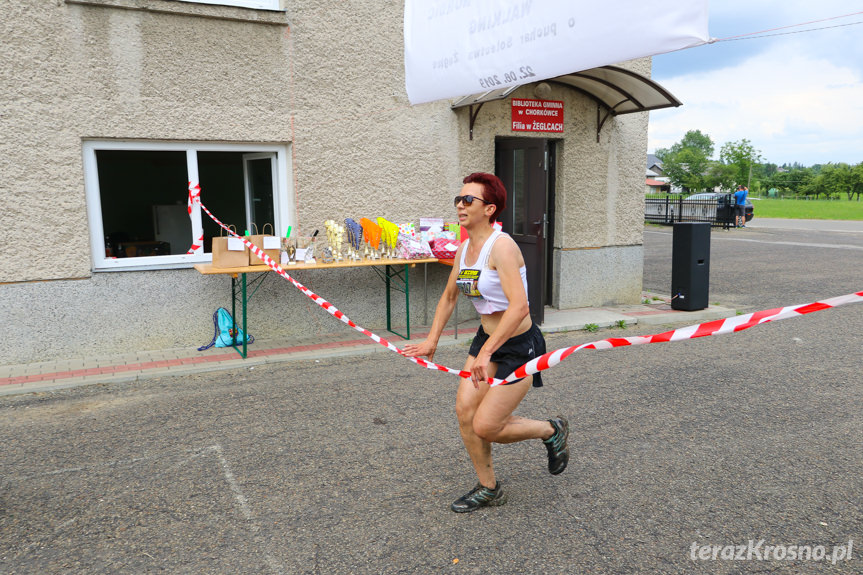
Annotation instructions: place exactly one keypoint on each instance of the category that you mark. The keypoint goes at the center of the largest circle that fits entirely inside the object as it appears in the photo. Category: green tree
(840, 179)
(687, 162)
(815, 186)
(856, 181)
(762, 175)
(694, 139)
(721, 175)
(743, 156)
(791, 181)
(765, 170)
(829, 180)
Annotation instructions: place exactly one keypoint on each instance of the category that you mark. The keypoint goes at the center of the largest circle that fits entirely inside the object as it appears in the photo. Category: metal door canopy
(616, 90)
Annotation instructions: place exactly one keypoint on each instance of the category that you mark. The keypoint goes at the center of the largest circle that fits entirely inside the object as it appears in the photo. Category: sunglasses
(468, 200)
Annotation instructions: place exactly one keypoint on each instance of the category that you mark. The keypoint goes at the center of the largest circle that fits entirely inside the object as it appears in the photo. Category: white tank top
(481, 284)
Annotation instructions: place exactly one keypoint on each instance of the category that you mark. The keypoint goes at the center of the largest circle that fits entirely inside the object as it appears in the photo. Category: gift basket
(444, 248)
(412, 248)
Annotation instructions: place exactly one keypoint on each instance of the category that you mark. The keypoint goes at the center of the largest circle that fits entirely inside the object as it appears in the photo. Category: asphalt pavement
(729, 454)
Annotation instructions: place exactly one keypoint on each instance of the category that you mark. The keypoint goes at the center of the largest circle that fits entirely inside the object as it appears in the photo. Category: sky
(796, 97)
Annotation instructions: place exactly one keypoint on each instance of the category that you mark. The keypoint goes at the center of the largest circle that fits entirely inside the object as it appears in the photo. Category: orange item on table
(371, 232)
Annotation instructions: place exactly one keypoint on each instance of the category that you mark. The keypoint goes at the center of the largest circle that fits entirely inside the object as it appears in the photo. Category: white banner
(458, 47)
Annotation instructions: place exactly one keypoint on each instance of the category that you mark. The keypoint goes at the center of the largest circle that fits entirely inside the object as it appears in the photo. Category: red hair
(493, 191)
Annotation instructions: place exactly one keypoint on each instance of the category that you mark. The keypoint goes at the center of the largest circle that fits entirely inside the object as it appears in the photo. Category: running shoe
(479, 496)
(558, 452)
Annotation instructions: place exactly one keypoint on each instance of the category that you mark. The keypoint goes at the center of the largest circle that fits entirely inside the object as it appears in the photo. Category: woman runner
(490, 270)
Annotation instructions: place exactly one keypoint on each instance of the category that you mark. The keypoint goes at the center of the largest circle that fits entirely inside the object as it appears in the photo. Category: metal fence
(718, 211)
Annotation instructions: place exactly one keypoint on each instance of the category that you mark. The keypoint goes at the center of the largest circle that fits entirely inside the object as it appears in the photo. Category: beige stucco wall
(359, 146)
(598, 257)
(98, 71)
(325, 79)
(86, 71)
(598, 193)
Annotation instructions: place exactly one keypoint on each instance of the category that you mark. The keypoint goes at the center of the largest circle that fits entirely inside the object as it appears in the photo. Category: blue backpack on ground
(223, 331)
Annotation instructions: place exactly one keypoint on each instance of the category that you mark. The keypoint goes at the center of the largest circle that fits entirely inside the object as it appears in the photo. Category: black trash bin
(690, 266)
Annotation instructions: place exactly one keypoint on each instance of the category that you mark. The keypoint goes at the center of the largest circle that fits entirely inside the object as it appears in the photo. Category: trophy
(289, 246)
(335, 237)
(350, 237)
(340, 242)
(355, 239)
(372, 237)
(389, 234)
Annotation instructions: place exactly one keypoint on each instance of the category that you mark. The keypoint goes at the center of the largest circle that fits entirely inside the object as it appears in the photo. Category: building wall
(328, 81)
(100, 71)
(599, 193)
(359, 146)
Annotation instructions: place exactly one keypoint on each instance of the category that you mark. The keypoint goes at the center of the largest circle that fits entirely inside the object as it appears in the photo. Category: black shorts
(514, 353)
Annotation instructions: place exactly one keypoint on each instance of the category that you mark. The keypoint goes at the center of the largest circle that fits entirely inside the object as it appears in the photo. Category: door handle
(543, 221)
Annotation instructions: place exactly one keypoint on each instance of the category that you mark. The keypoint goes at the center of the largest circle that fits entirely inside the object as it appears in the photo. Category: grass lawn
(808, 209)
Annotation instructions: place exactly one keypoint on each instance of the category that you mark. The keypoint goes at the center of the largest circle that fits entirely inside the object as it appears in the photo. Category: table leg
(243, 302)
(390, 274)
(234, 311)
(245, 327)
(387, 280)
(408, 301)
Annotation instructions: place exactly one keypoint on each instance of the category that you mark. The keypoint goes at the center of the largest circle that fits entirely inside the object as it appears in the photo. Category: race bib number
(468, 282)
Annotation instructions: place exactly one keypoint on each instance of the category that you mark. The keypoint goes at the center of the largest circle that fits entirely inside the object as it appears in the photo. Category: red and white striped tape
(552, 358)
(194, 196)
(717, 327)
(196, 245)
(330, 308)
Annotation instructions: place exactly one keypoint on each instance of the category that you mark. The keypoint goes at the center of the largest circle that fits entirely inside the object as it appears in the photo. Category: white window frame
(247, 187)
(282, 199)
(254, 4)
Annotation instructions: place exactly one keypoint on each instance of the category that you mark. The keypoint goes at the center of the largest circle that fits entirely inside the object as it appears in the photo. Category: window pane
(519, 193)
(141, 193)
(260, 174)
(223, 192)
(143, 200)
